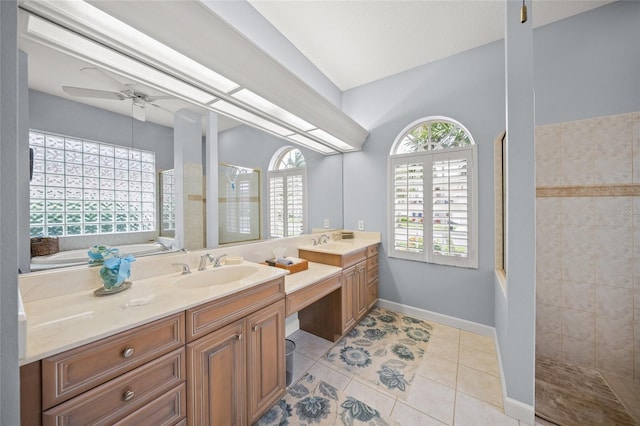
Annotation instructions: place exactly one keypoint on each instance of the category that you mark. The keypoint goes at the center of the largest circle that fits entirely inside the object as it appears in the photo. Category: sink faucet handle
(216, 260)
(185, 268)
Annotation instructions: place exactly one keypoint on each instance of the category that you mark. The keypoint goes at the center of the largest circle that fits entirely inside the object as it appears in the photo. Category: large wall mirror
(137, 118)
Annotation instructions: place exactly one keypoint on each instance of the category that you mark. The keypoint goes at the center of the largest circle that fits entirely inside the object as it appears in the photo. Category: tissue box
(298, 265)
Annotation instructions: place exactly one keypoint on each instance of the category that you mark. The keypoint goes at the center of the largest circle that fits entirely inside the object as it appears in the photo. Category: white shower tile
(613, 158)
(614, 333)
(579, 239)
(578, 211)
(578, 324)
(615, 241)
(548, 319)
(549, 262)
(614, 360)
(548, 155)
(548, 234)
(578, 352)
(549, 344)
(614, 271)
(578, 267)
(549, 291)
(614, 211)
(578, 296)
(577, 153)
(614, 302)
(549, 210)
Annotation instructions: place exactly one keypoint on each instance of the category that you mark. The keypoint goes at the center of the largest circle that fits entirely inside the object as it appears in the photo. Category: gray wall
(250, 147)
(62, 116)
(385, 107)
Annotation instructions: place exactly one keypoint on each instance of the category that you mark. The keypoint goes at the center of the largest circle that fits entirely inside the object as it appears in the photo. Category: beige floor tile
(407, 416)
(330, 376)
(432, 398)
(480, 385)
(479, 360)
(301, 364)
(439, 370)
(445, 332)
(473, 412)
(310, 345)
(370, 396)
(477, 341)
(443, 348)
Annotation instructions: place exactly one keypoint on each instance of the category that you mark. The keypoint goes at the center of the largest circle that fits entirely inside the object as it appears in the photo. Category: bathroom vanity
(175, 349)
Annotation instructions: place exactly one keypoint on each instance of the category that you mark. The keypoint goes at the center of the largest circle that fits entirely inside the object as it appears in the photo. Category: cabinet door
(266, 358)
(216, 364)
(360, 290)
(348, 300)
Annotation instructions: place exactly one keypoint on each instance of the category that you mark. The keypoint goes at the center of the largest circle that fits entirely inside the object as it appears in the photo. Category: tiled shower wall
(588, 243)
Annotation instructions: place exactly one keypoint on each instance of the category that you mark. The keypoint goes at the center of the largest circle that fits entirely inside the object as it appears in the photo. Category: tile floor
(457, 383)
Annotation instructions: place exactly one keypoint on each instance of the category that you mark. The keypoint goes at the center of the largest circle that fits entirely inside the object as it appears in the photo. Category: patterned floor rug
(568, 395)
(313, 402)
(385, 348)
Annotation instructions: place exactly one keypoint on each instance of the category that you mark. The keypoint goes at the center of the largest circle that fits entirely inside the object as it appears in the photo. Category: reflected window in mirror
(82, 187)
(287, 193)
(238, 204)
(167, 203)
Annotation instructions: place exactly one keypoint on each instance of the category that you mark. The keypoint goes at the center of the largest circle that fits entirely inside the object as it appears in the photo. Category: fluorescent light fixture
(310, 143)
(105, 24)
(87, 50)
(330, 139)
(249, 117)
(261, 104)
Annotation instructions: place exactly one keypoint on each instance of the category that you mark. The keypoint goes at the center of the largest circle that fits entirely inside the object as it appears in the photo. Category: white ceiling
(354, 42)
(351, 41)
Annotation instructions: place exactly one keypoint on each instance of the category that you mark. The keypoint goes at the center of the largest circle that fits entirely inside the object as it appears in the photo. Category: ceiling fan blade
(138, 112)
(105, 78)
(91, 93)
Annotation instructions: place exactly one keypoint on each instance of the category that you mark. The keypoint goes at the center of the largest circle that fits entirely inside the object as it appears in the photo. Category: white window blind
(287, 202)
(432, 198)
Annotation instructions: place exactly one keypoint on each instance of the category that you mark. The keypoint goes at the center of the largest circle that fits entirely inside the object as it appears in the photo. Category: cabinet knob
(256, 327)
(128, 395)
(238, 336)
(128, 352)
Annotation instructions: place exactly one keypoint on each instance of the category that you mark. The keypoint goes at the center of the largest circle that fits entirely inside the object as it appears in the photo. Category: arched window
(287, 178)
(433, 193)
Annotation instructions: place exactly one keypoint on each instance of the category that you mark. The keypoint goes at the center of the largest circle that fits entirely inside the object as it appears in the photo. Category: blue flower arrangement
(98, 254)
(115, 271)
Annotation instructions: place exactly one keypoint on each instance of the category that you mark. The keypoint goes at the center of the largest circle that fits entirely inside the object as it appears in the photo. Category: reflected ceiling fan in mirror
(119, 91)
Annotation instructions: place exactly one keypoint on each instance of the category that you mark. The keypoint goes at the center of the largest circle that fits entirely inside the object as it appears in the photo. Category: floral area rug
(313, 402)
(385, 348)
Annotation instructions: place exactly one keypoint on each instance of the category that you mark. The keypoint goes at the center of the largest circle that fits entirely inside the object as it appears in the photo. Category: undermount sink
(217, 276)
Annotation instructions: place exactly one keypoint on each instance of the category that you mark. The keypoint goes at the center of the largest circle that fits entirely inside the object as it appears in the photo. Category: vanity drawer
(372, 263)
(123, 395)
(78, 370)
(209, 317)
(304, 297)
(165, 410)
(372, 250)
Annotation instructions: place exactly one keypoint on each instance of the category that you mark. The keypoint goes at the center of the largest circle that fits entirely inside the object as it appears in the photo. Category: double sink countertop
(61, 321)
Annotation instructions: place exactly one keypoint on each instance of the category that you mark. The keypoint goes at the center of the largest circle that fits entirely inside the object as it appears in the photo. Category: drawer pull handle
(128, 352)
(128, 395)
(238, 336)
(256, 327)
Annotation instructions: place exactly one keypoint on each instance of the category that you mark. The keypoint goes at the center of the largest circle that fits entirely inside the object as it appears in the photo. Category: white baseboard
(462, 324)
(512, 408)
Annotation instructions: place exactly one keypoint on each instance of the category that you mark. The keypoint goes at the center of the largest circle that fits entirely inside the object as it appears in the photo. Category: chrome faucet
(185, 268)
(324, 238)
(203, 261)
(216, 260)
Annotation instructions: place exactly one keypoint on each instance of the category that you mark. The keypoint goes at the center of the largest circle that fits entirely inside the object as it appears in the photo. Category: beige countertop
(340, 247)
(60, 323)
(316, 272)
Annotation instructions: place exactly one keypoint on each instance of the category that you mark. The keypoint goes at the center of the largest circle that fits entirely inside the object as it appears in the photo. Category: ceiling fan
(120, 91)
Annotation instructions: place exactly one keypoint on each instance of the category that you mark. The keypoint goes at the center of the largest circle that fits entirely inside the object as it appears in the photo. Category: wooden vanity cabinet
(236, 372)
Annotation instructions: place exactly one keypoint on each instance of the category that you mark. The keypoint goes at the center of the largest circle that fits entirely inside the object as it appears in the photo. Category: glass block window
(433, 193)
(287, 193)
(83, 187)
(168, 178)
